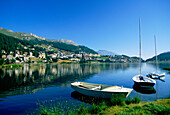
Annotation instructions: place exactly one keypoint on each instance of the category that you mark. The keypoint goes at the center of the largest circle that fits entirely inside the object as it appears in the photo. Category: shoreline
(11, 66)
(119, 106)
(153, 107)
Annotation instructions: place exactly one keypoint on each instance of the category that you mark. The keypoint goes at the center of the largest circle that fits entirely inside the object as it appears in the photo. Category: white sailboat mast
(140, 46)
(156, 55)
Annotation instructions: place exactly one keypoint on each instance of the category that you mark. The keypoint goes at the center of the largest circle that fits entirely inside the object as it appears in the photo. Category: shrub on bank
(96, 108)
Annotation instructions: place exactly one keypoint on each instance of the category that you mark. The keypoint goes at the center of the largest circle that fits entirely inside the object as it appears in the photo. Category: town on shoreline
(19, 57)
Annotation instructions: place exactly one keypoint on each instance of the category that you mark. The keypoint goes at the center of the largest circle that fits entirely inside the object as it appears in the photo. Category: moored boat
(140, 79)
(156, 75)
(143, 81)
(102, 91)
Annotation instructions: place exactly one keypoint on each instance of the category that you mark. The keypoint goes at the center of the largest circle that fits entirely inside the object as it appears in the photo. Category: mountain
(105, 52)
(68, 42)
(161, 57)
(62, 45)
(20, 35)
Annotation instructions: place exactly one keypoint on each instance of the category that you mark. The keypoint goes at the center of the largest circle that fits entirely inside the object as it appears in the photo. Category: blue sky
(99, 24)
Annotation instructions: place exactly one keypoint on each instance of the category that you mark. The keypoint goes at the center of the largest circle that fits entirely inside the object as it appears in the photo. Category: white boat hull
(156, 75)
(101, 93)
(144, 82)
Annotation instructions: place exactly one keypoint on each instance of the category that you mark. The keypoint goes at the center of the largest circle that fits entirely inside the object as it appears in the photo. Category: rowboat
(101, 91)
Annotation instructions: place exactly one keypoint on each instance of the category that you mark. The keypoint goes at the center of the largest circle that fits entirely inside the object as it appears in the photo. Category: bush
(2, 61)
(134, 100)
(98, 108)
(117, 101)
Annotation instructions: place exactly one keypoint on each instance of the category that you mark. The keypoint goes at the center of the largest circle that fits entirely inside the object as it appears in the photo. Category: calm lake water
(24, 90)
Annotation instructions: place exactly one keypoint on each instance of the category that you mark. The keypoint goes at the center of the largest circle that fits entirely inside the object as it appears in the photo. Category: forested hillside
(9, 43)
(161, 57)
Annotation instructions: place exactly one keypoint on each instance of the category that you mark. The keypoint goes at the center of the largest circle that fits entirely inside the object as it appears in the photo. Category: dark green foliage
(11, 66)
(87, 50)
(2, 61)
(167, 68)
(82, 110)
(161, 57)
(117, 101)
(9, 43)
(134, 100)
(100, 107)
(13, 61)
(83, 61)
(7, 61)
(150, 108)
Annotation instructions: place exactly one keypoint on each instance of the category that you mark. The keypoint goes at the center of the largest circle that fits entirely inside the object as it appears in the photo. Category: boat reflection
(144, 90)
(87, 99)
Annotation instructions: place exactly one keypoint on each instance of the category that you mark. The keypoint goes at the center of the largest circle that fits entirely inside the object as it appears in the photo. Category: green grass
(96, 107)
(117, 106)
(11, 66)
(150, 109)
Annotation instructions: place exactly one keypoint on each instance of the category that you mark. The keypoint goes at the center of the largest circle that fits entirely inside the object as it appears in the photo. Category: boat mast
(156, 55)
(139, 46)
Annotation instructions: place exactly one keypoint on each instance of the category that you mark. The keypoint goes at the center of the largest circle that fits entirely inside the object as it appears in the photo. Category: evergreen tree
(2, 61)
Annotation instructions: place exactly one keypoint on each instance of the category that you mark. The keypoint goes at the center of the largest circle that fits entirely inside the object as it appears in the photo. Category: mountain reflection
(32, 77)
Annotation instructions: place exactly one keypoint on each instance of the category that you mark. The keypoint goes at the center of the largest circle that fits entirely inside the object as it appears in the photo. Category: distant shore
(14, 66)
(11, 66)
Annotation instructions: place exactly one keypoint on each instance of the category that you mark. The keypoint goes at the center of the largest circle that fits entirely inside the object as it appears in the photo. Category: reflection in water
(91, 100)
(86, 99)
(32, 77)
(144, 90)
(160, 66)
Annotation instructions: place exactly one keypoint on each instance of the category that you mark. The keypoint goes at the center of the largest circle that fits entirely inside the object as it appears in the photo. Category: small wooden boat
(102, 91)
(143, 81)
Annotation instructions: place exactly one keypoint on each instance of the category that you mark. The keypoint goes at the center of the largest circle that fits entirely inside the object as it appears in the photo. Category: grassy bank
(161, 106)
(10, 66)
(117, 106)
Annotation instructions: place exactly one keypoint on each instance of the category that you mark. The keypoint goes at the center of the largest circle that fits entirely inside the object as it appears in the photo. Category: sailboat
(140, 79)
(155, 75)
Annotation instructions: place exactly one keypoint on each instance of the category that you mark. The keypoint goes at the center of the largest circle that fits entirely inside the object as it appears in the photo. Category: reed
(96, 107)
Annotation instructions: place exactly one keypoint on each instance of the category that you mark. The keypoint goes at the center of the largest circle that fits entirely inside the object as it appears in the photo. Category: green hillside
(161, 57)
(32, 39)
(9, 43)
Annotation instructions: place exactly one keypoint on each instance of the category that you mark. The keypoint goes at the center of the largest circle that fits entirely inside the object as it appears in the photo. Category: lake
(24, 90)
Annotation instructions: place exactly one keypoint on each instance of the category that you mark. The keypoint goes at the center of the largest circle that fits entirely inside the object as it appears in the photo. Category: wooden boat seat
(87, 87)
(108, 88)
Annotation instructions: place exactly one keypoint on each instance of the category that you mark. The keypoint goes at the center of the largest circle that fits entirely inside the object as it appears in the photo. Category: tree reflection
(32, 77)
